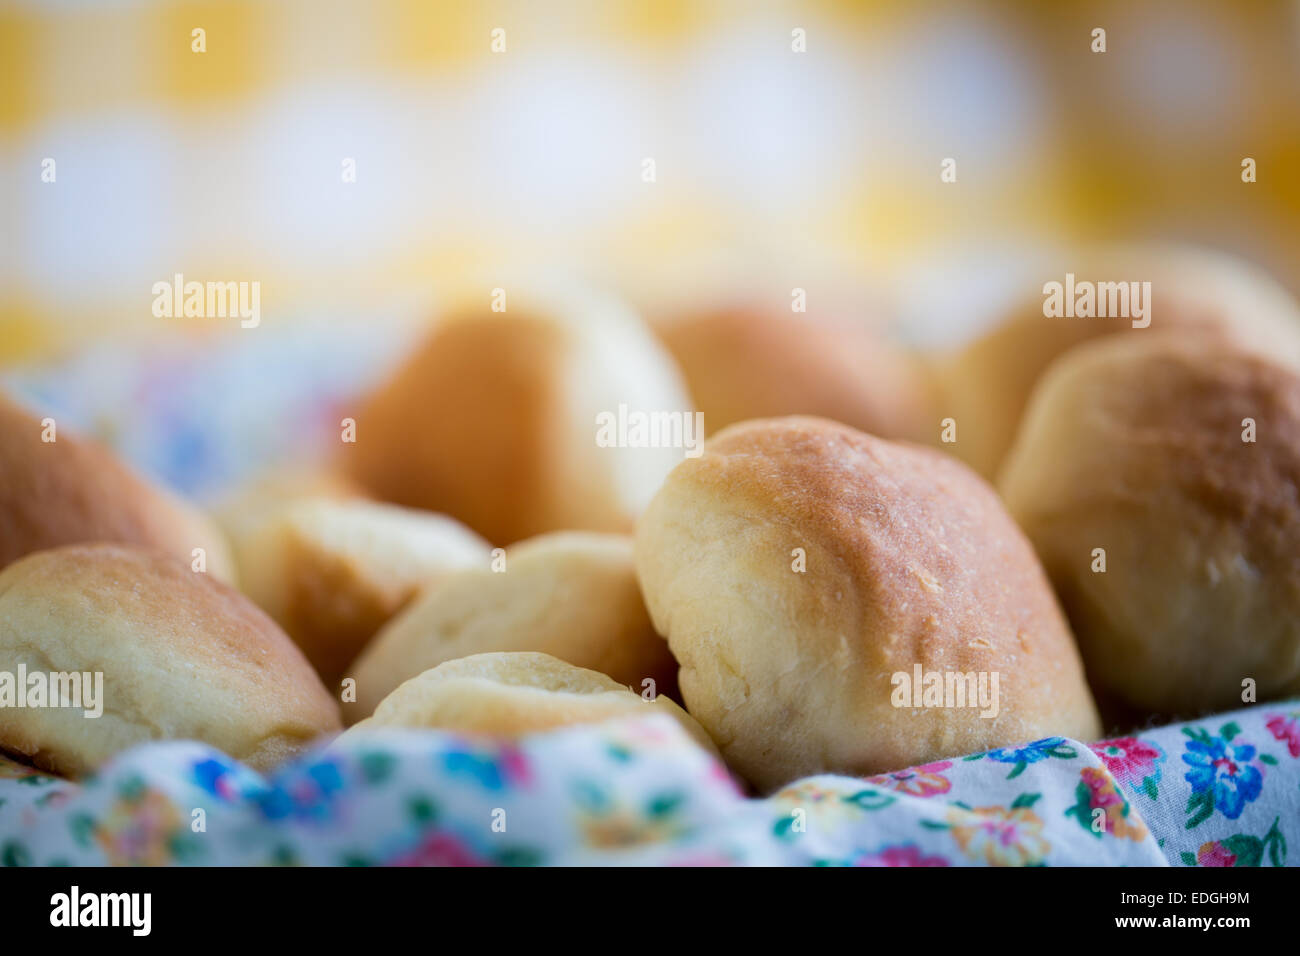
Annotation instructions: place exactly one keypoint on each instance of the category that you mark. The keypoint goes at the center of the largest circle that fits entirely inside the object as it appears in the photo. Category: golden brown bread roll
(71, 490)
(332, 571)
(571, 594)
(986, 385)
(516, 693)
(182, 656)
(493, 419)
(1134, 446)
(744, 363)
(909, 561)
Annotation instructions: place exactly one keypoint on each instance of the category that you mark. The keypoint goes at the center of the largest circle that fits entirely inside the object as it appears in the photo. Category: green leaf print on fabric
(422, 809)
(15, 854)
(82, 827)
(377, 767)
(870, 799)
(1241, 849)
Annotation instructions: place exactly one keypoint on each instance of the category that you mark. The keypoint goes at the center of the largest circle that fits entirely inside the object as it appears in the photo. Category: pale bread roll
(249, 504)
(908, 560)
(493, 419)
(986, 385)
(332, 571)
(571, 594)
(744, 362)
(72, 490)
(183, 657)
(1135, 447)
(516, 693)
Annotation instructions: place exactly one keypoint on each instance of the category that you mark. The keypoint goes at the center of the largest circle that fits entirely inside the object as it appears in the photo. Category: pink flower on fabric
(905, 854)
(1134, 762)
(1215, 853)
(1097, 790)
(1100, 788)
(926, 780)
(1286, 728)
(438, 849)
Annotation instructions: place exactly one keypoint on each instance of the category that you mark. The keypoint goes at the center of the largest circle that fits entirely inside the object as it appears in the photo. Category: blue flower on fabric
(1022, 757)
(306, 795)
(217, 777)
(483, 770)
(1223, 775)
(491, 770)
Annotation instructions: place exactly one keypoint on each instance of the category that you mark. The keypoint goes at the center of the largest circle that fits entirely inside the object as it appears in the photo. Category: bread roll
(516, 693)
(70, 490)
(493, 419)
(248, 505)
(182, 656)
(908, 561)
(332, 571)
(986, 385)
(570, 594)
(1135, 447)
(745, 363)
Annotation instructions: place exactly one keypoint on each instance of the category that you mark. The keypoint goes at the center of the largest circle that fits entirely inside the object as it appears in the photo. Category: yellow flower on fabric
(139, 831)
(999, 836)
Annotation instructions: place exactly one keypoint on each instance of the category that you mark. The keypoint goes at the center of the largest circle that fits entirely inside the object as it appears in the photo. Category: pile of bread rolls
(477, 560)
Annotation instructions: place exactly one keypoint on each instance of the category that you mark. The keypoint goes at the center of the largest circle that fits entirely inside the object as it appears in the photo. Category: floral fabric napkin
(1218, 792)
(1223, 791)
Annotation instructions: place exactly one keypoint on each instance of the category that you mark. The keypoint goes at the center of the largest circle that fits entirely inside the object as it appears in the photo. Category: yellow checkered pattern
(224, 163)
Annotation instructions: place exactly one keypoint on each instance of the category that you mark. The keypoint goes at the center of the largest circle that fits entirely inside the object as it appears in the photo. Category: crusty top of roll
(745, 363)
(910, 560)
(183, 657)
(1180, 402)
(72, 490)
(879, 510)
(1135, 446)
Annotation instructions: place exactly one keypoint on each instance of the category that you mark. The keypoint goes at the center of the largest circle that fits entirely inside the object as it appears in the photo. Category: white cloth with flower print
(1222, 791)
(1217, 792)
(1050, 802)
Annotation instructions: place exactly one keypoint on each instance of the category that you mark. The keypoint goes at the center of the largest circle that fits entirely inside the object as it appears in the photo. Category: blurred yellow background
(228, 164)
